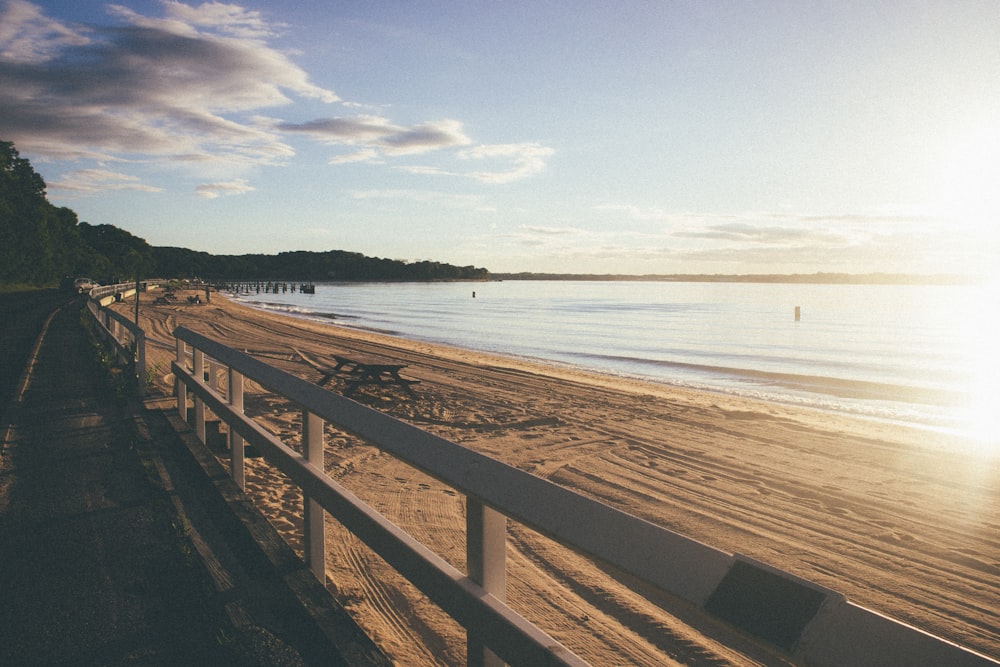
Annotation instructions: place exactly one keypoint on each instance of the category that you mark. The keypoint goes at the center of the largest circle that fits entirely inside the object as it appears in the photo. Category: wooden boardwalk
(115, 546)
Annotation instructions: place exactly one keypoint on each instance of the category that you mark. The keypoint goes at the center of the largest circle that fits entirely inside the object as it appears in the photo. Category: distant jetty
(266, 287)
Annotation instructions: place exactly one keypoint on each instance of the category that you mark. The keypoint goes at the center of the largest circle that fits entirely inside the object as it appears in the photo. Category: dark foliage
(302, 265)
(39, 242)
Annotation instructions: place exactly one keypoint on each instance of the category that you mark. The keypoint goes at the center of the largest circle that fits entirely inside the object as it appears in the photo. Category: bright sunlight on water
(979, 340)
(915, 354)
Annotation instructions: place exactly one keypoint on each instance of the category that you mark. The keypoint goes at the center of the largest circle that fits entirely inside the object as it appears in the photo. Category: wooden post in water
(798, 313)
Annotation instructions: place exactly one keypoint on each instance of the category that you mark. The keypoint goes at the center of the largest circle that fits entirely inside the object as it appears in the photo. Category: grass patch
(119, 376)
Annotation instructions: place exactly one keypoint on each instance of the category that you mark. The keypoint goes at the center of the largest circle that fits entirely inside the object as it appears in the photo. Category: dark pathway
(96, 562)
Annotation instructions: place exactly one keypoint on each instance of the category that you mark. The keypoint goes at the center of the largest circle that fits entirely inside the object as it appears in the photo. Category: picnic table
(360, 371)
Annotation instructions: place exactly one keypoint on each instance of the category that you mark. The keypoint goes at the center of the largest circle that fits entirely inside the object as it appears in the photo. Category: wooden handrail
(808, 622)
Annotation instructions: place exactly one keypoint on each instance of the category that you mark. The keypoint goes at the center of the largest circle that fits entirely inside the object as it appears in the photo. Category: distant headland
(796, 278)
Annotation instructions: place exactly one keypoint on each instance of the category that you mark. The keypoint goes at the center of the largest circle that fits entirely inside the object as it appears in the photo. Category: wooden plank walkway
(113, 550)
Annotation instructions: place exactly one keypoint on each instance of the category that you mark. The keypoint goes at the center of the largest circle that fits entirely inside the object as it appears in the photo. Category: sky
(673, 136)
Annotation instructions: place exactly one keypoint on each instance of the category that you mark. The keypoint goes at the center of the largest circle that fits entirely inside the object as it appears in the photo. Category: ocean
(915, 354)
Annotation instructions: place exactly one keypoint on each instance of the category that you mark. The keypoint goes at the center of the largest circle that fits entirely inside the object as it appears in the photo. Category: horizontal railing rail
(810, 623)
(475, 599)
(106, 294)
(125, 337)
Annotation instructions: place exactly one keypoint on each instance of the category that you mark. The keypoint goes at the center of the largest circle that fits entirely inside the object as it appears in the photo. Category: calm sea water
(925, 355)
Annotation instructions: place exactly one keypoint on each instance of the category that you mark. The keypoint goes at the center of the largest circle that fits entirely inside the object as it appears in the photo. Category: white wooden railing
(810, 624)
(125, 337)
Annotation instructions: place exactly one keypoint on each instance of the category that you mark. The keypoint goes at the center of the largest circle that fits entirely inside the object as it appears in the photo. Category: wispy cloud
(731, 243)
(381, 136)
(27, 35)
(230, 19)
(757, 234)
(515, 161)
(511, 162)
(536, 230)
(447, 199)
(213, 190)
(100, 180)
(363, 155)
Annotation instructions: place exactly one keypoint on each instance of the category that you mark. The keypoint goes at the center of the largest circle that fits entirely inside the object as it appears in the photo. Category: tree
(40, 243)
(121, 253)
(26, 218)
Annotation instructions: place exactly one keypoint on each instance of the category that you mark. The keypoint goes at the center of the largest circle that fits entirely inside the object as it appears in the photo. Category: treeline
(305, 265)
(45, 245)
(39, 242)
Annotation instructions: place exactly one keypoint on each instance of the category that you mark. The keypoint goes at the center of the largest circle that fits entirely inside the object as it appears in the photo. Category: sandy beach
(895, 518)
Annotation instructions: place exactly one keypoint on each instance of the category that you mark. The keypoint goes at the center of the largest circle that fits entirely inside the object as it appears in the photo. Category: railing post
(236, 443)
(315, 533)
(199, 405)
(140, 361)
(179, 387)
(485, 555)
(213, 376)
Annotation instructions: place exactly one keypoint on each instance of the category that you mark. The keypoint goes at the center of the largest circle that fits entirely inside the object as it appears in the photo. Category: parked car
(82, 285)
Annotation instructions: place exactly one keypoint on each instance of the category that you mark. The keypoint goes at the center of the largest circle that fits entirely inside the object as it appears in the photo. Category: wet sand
(897, 519)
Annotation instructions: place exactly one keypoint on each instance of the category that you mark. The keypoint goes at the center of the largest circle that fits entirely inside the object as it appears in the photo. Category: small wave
(297, 311)
(814, 384)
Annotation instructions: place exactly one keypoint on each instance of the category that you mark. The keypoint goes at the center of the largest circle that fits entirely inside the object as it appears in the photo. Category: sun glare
(968, 192)
(979, 336)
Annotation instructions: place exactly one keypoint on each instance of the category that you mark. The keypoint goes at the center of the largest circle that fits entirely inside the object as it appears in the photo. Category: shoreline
(879, 512)
(852, 399)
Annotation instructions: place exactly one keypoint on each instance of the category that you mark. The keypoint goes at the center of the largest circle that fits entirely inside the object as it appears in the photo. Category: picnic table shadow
(357, 371)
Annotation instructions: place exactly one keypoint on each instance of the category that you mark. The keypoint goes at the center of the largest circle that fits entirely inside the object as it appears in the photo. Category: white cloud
(518, 161)
(426, 170)
(185, 89)
(100, 180)
(760, 234)
(174, 87)
(363, 155)
(512, 162)
(759, 242)
(26, 35)
(381, 135)
(231, 19)
(447, 199)
(213, 190)
(536, 230)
